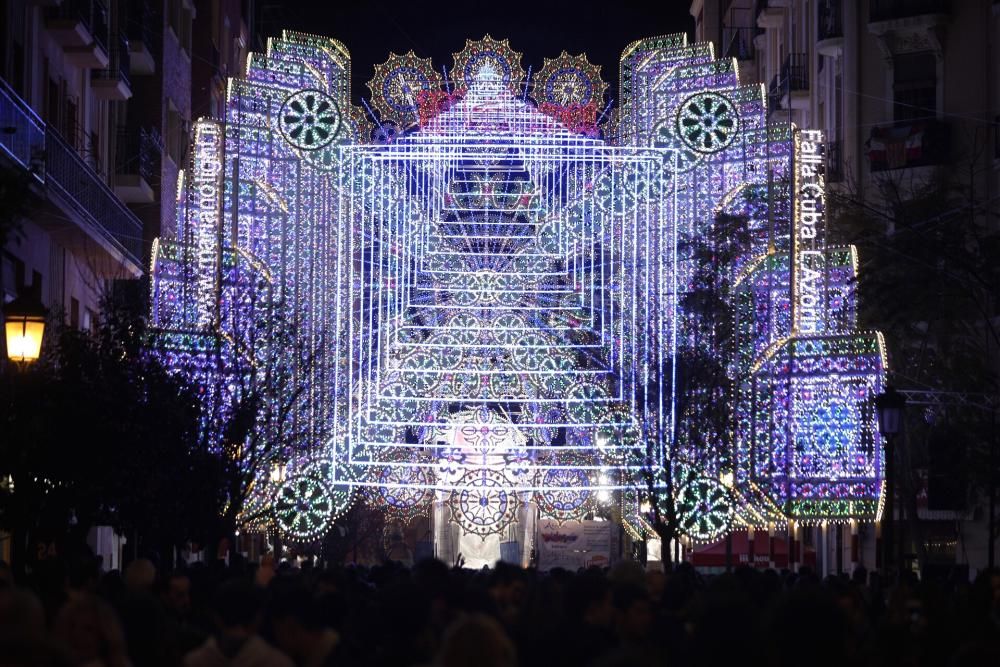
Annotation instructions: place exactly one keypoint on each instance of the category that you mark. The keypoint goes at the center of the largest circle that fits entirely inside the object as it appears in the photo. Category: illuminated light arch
(480, 270)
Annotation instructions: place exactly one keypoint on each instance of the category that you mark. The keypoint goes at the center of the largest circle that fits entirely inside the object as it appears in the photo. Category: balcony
(82, 191)
(894, 10)
(67, 181)
(830, 28)
(915, 143)
(22, 133)
(113, 82)
(81, 28)
(137, 156)
(738, 42)
(792, 82)
(142, 38)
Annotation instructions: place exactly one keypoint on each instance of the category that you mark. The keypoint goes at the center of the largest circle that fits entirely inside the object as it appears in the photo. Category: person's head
(21, 616)
(140, 575)
(588, 600)
(297, 619)
(177, 593)
(237, 607)
(477, 640)
(633, 612)
(90, 632)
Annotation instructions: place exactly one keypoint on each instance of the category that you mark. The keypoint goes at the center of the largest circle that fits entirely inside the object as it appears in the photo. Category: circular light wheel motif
(565, 497)
(484, 505)
(309, 120)
(404, 490)
(704, 509)
(707, 122)
(303, 507)
(678, 158)
(569, 86)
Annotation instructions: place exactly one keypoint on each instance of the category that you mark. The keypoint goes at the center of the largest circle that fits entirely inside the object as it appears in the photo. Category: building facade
(906, 91)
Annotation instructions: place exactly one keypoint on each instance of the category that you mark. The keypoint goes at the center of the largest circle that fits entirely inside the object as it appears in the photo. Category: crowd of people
(434, 615)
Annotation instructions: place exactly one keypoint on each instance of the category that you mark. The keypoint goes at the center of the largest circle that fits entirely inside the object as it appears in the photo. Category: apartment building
(94, 108)
(906, 91)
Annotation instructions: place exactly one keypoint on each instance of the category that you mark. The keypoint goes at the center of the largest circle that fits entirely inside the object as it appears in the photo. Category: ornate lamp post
(24, 325)
(890, 405)
(279, 474)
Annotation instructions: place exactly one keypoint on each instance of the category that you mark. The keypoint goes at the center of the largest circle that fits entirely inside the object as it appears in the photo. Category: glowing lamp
(890, 405)
(279, 472)
(24, 325)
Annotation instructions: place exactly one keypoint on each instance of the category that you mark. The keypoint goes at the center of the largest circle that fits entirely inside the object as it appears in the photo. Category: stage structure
(471, 297)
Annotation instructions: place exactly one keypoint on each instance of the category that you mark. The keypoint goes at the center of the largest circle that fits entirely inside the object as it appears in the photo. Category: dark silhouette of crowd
(434, 615)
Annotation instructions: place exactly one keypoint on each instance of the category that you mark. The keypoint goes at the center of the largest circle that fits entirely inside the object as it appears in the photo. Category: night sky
(539, 29)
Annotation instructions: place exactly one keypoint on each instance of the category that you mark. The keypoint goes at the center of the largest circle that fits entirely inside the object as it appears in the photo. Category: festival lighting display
(488, 271)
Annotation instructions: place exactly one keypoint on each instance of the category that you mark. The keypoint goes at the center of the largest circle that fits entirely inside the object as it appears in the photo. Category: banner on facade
(574, 544)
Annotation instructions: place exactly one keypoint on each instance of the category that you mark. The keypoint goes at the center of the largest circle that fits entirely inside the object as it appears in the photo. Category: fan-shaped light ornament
(303, 508)
(707, 122)
(497, 54)
(309, 119)
(704, 509)
(569, 81)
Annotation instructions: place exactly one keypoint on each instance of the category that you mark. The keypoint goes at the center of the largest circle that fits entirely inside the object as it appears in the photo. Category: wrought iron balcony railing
(22, 132)
(91, 14)
(142, 23)
(90, 197)
(887, 10)
(57, 165)
(138, 151)
(118, 63)
(795, 73)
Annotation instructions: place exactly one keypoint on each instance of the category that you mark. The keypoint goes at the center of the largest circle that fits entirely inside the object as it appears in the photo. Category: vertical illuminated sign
(808, 234)
(206, 214)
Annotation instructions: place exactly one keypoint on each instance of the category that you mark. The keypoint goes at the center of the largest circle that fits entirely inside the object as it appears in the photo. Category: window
(12, 276)
(177, 135)
(74, 313)
(914, 86)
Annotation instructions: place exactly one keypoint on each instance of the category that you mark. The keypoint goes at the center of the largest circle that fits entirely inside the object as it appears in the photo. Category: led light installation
(492, 269)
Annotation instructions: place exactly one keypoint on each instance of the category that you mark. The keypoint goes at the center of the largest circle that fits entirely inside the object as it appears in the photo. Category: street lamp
(279, 472)
(889, 405)
(24, 324)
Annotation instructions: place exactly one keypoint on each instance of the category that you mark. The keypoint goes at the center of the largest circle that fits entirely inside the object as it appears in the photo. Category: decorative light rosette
(704, 509)
(398, 84)
(303, 507)
(497, 54)
(707, 122)
(565, 497)
(569, 81)
(403, 490)
(484, 505)
(309, 119)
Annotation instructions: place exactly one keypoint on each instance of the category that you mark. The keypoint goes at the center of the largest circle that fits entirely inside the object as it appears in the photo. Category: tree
(98, 433)
(705, 393)
(260, 412)
(930, 279)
